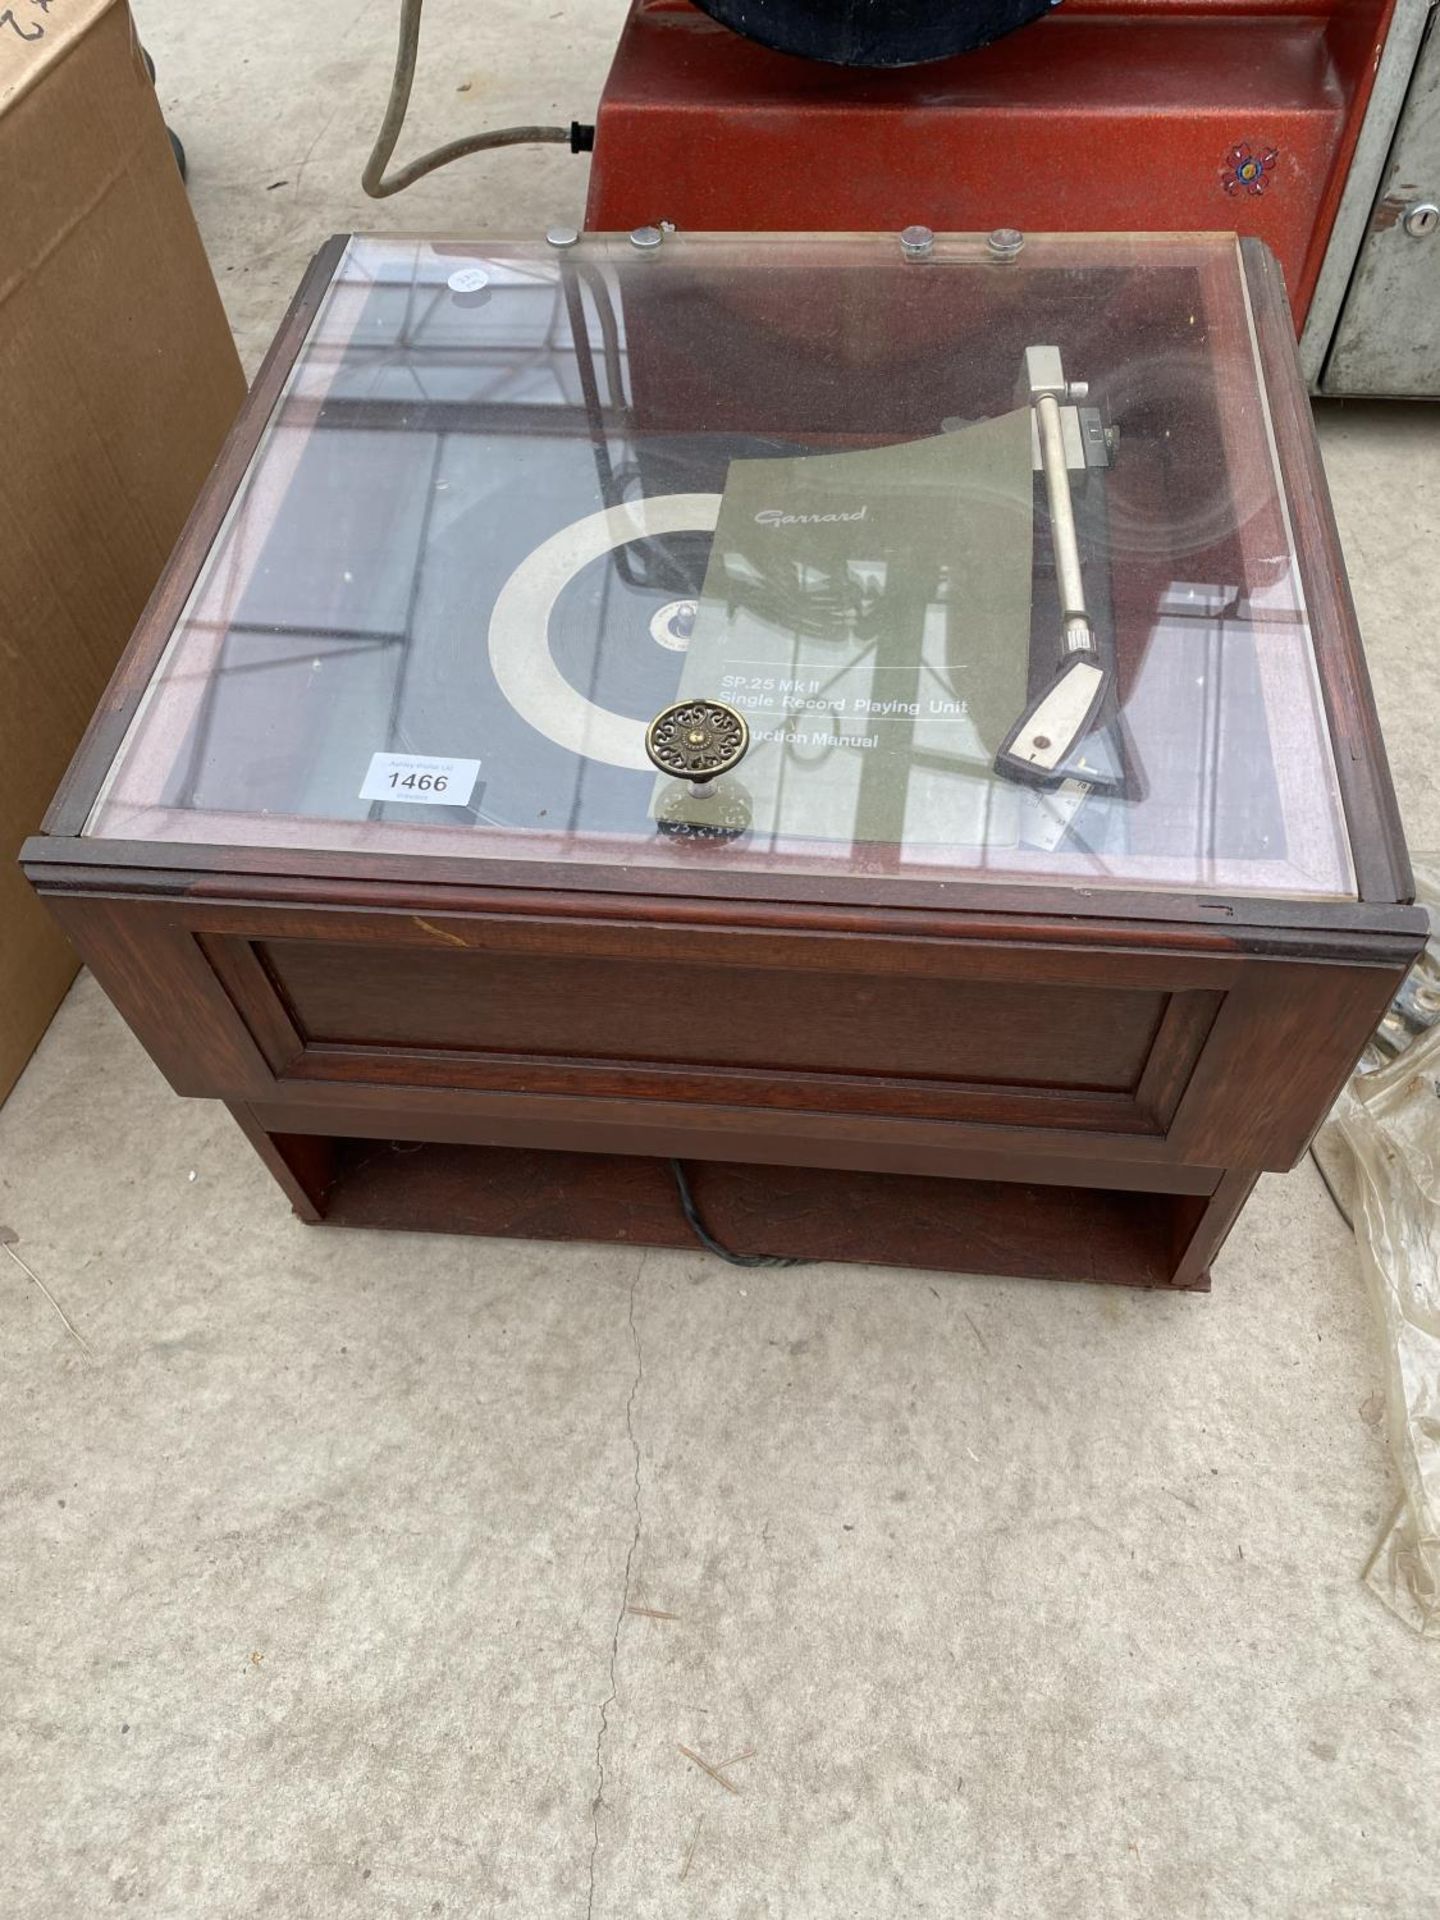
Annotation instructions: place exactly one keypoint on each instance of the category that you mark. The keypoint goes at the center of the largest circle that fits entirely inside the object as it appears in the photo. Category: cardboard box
(118, 379)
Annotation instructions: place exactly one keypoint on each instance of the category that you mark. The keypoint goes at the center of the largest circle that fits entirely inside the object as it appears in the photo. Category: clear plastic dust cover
(778, 553)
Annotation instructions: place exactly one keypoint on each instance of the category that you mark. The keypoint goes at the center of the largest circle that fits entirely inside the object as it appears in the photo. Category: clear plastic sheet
(1387, 1124)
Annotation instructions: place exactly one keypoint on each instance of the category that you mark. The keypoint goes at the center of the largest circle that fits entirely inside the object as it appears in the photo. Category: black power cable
(708, 1240)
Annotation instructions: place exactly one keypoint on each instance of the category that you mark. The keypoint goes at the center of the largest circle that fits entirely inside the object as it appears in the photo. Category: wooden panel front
(587, 1008)
(1002, 1044)
(1110, 1059)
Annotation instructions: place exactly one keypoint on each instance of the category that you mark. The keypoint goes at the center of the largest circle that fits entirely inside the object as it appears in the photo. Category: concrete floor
(1029, 1601)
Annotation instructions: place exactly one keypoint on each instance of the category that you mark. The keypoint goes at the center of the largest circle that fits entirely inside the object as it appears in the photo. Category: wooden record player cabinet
(999, 1076)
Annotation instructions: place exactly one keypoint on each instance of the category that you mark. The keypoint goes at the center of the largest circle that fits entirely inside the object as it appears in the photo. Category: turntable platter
(522, 651)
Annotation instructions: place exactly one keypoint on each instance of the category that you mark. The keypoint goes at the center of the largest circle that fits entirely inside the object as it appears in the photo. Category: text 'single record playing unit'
(878, 719)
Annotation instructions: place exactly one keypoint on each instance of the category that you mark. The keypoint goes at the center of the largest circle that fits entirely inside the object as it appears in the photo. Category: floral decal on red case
(1246, 171)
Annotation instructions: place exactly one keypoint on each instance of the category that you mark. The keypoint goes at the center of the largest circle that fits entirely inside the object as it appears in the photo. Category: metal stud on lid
(561, 236)
(1005, 242)
(646, 237)
(917, 242)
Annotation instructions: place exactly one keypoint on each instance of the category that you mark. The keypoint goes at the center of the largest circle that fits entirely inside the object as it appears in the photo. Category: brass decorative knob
(696, 740)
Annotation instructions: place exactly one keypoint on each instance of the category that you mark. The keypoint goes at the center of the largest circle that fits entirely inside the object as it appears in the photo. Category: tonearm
(1039, 747)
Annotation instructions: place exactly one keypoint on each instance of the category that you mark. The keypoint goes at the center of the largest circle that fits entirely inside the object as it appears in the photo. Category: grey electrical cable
(373, 178)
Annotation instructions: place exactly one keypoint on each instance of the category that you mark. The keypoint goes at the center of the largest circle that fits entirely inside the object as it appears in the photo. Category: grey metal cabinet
(1386, 339)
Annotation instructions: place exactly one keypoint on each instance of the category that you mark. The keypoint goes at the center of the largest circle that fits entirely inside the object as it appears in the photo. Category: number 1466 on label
(423, 779)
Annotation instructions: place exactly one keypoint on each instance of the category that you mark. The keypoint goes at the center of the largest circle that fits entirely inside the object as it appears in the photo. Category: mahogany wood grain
(1200, 1227)
(694, 1132)
(158, 978)
(797, 1099)
(711, 1015)
(1229, 1073)
(251, 991)
(643, 934)
(303, 1165)
(1184, 1029)
(806, 1213)
(1283, 1044)
(1057, 915)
